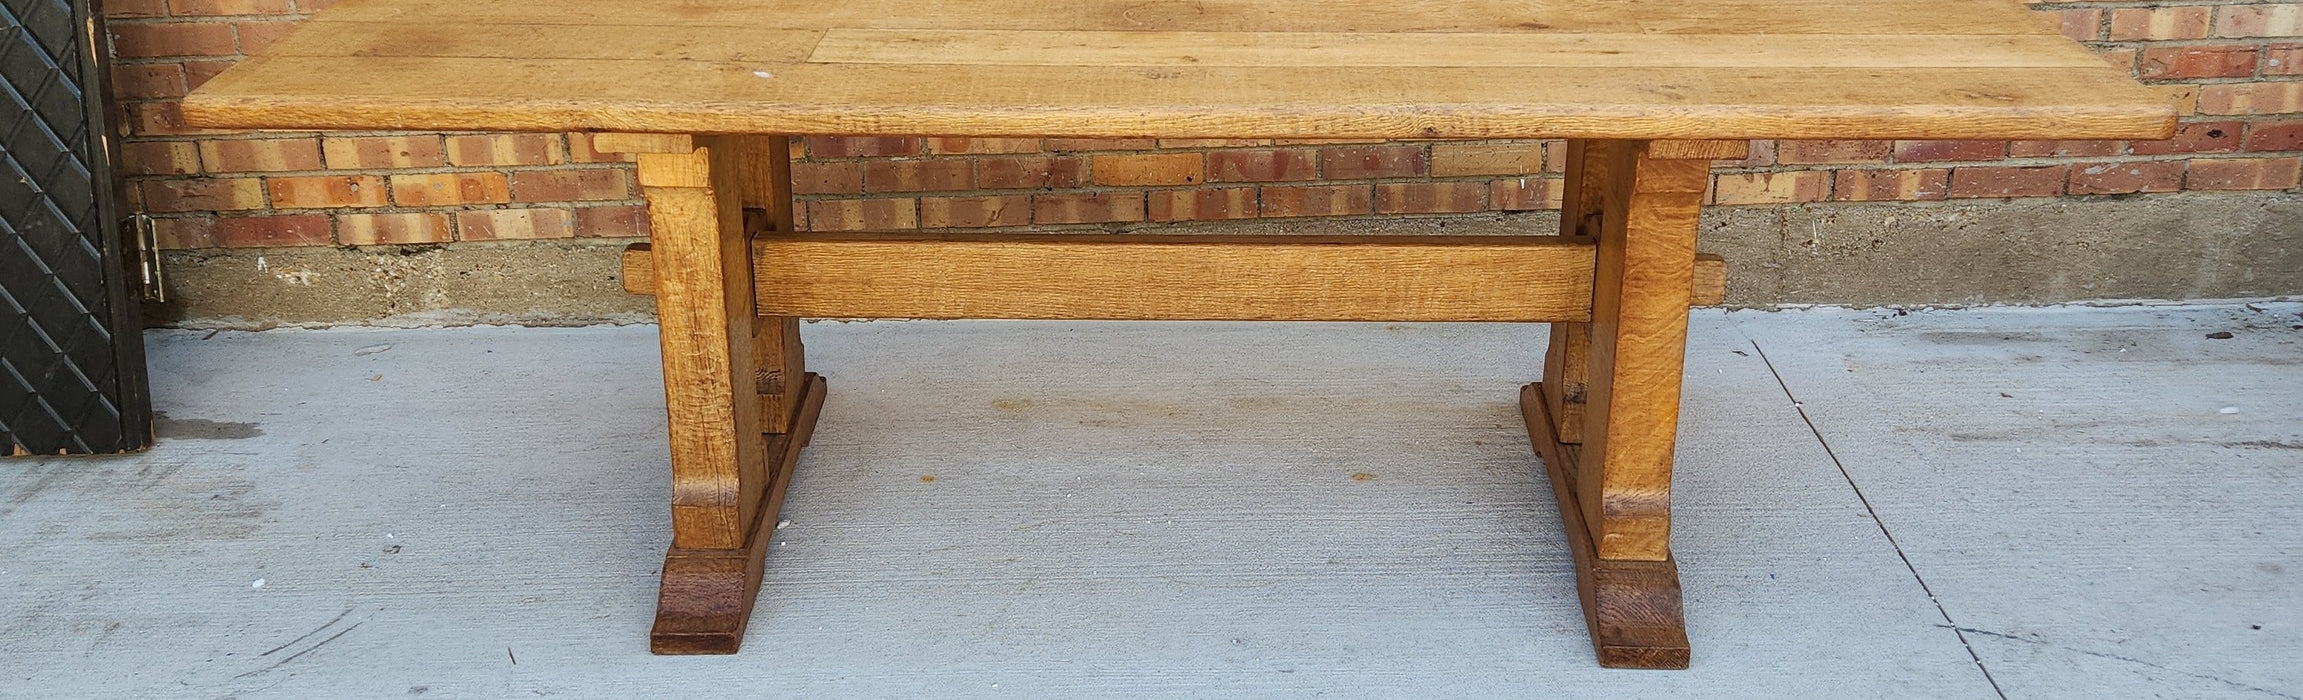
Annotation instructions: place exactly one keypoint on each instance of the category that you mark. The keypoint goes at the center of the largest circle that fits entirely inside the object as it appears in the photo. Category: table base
(706, 595)
(1631, 607)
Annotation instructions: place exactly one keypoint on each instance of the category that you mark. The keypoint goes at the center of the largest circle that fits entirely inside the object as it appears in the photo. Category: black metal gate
(71, 349)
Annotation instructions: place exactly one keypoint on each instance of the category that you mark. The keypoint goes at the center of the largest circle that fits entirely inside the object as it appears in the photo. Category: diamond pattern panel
(62, 386)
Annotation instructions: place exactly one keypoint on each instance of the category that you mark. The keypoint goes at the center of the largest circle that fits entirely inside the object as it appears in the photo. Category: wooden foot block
(706, 596)
(1632, 607)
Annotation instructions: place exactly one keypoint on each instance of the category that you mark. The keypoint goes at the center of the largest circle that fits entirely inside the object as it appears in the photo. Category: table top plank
(1440, 50)
(1379, 16)
(1164, 48)
(1472, 69)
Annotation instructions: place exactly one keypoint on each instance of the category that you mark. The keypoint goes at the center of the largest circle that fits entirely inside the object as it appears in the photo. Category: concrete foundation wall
(2025, 251)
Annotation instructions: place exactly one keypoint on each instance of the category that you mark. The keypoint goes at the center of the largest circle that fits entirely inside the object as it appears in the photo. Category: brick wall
(2236, 67)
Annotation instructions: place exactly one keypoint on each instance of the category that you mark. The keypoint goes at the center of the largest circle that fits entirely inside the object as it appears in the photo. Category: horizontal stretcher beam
(1165, 277)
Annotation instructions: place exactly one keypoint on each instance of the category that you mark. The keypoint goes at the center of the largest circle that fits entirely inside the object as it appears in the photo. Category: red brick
(1524, 194)
(2061, 149)
(1772, 188)
(1366, 162)
(272, 231)
(146, 81)
(2080, 25)
(2121, 58)
(586, 185)
(1891, 185)
(2183, 97)
(1203, 204)
(159, 158)
(135, 8)
(1320, 142)
(256, 38)
(394, 229)
(2190, 62)
(1150, 169)
(838, 177)
(2159, 23)
(184, 233)
(1466, 159)
(612, 221)
(2128, 177)
(197, 73)
(260, 155)
(510, 224)
(173, 39)
(504, 149)
(977, 146)
(2283, 59)
(213, 194)
(2266, 137)
(581, 150)
(2008, 182)
(2265, 19)
(1318, 200)
(1085, 145)
(206, 8)
(864, 214)
(862, 146)
(918, 175)
(2251, 98)
(1213, 143)
(450, 189)
(382, 152)
(1087, 207)
(1262, 165)
(2243, 173)
(161, 119)
(1943, 151)
(326, 191)
(1028, 172)
(1762, 155)
(1832, 151)
(2193, 137)
(975, 212)
(1430, 197)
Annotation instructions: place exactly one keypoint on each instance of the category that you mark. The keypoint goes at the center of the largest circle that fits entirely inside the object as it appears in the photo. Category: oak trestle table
(1647, 94)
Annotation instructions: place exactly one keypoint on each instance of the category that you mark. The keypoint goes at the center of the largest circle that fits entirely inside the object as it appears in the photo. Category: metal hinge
(148, 259)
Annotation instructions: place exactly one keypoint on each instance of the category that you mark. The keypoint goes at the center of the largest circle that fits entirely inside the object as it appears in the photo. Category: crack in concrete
(1796, 405)
(2116, 657)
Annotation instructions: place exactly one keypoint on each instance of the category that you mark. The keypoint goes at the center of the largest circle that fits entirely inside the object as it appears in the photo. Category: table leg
(1606, 417)
(741, 405)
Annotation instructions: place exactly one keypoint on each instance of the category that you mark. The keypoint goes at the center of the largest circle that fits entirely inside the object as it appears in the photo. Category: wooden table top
(1730, 69)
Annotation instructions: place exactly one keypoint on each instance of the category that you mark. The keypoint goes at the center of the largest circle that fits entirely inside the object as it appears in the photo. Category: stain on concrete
(176, 504)
(1984, 337)
(2265, 444)
(169, 428)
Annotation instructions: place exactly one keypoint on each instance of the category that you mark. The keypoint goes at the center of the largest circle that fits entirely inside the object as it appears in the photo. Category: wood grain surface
(1207, 68)
(1101, 276)
(1710, 283)
(704, 308)
(740, 405)
(1638, 339)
